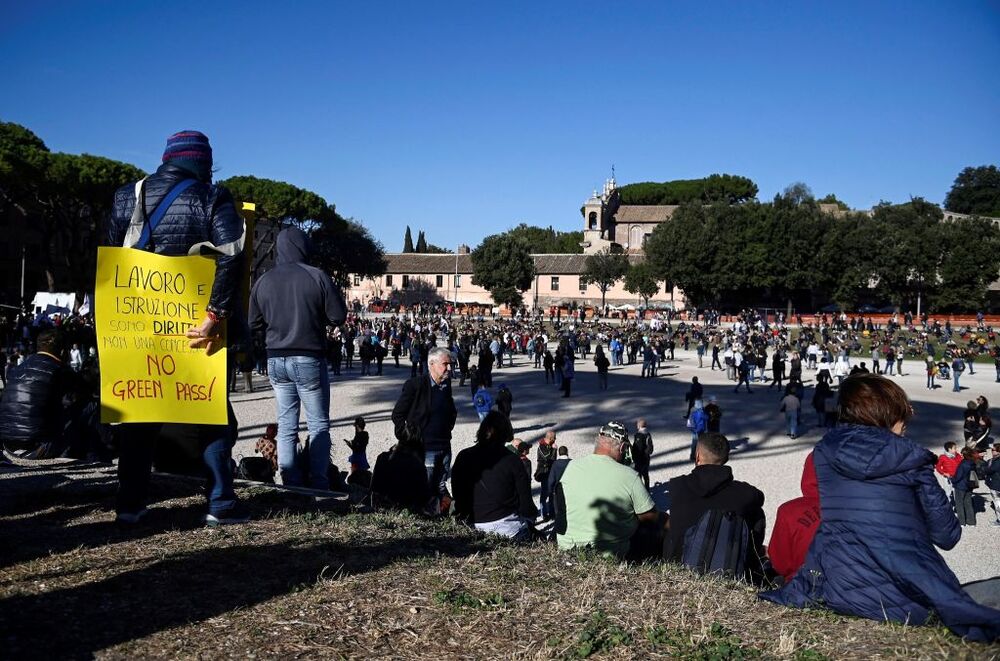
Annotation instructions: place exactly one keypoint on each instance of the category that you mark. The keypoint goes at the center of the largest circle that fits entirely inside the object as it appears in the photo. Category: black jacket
(490, 483)
(295, 302)
(201, 213)
(558, 468)
(710, 487)
(31, 407)
(993, 474)
(400, 479)
(413, 406)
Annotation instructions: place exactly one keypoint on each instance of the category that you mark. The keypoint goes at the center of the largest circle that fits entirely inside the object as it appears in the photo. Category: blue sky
(464, 118)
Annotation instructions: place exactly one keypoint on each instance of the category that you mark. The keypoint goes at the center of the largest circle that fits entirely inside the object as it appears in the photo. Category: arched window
(635, 234)
(592, 220)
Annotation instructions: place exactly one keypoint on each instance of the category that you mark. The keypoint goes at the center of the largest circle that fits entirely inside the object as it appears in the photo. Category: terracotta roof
(412, 262)
(636, 213)
(417, 263)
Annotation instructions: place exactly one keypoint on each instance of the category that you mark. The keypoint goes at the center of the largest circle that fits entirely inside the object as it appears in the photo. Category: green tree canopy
(641, 281)
(976, 191)
(282, 202)
(66, 198)
(502, 265)
(545, 240)
(731, 189)
(604, 269)
(408, 240)
(833, 199)
(421, 242)
(435, 250)
(343, 245)
(967, 267)
(347, 248)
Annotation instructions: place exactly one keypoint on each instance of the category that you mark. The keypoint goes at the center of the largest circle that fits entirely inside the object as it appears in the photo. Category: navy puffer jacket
(873, 555)
(201, 213)
(31, 410)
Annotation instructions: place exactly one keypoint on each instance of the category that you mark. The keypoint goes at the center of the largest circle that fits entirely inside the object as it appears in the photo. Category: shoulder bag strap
(160, 211)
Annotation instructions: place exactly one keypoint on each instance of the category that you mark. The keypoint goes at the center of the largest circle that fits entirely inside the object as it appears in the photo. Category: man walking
(293, 303)
(180, 209)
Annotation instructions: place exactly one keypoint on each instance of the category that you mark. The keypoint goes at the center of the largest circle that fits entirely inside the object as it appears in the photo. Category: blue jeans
(792, 421)
(954, 378)
(137, 443)
(438, 465)
(302, 380)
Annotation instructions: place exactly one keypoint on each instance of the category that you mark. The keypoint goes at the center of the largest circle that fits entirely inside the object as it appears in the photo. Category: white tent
(50, 303)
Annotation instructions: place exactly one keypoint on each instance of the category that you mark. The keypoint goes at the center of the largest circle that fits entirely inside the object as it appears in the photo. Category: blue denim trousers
(438, 465)
(302, 381)
(792, 422)
(137, 443)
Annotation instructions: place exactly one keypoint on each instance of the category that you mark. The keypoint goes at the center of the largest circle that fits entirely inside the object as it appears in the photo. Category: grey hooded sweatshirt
(295, 302)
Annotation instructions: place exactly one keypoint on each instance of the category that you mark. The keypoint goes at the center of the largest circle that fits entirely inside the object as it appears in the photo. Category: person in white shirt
(75, 358)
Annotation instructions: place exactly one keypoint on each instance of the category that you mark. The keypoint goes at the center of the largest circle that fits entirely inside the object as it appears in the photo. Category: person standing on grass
(191, 211)
(293, 303)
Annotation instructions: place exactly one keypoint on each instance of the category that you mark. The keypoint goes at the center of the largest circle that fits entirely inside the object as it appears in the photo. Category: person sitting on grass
(882, 514)
(399, 479)
(710, 486)
(492, 490)
(603, 505)
(794, 526)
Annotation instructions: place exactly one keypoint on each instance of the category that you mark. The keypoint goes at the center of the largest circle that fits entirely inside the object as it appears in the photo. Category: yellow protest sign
(143, 305)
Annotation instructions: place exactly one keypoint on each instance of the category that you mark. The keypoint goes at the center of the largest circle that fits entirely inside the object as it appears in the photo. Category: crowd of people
(860, 541)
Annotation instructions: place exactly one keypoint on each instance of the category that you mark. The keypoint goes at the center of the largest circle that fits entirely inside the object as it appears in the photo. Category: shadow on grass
(191, 587)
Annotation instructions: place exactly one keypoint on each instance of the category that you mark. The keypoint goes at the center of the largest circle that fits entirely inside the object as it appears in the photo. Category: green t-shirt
(602, 501)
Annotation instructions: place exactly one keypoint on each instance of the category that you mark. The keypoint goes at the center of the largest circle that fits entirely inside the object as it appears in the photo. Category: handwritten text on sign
(143, 305)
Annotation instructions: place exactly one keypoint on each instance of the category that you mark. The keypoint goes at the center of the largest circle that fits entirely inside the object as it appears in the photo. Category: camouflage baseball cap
(615, 430)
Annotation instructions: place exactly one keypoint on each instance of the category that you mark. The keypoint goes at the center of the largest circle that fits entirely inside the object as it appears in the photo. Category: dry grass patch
(301, 583)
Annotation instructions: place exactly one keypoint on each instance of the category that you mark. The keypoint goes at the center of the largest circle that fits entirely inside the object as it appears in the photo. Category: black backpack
(717, 545)
(255, 469)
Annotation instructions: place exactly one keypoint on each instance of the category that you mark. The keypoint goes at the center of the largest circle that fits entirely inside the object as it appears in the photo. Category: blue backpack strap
(160, 211)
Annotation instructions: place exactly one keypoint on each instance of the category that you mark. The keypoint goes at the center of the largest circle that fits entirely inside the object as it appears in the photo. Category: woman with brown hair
(882, 514)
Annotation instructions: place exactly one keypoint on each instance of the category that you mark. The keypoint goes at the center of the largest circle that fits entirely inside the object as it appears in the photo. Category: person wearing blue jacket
(483, 402)
(697, 423)
(882, 514)
(963, 491)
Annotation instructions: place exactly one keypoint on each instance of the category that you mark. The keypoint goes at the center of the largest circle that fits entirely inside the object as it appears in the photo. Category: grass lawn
(300, 583)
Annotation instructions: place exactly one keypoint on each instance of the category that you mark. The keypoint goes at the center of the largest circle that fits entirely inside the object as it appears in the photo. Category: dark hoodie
(795, 525)
(712, 487)
(295, 302)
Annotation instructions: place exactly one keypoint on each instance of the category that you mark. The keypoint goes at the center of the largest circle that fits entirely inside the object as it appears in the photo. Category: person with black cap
(604, 505)
(178, 211)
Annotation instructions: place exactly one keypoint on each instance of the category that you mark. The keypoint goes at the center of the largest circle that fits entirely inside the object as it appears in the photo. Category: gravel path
(766, 457)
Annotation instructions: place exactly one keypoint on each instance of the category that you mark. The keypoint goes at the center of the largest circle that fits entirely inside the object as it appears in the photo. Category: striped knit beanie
(191, 151)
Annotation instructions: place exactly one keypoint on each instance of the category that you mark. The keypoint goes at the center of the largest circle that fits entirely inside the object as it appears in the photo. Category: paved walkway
(766, 457)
